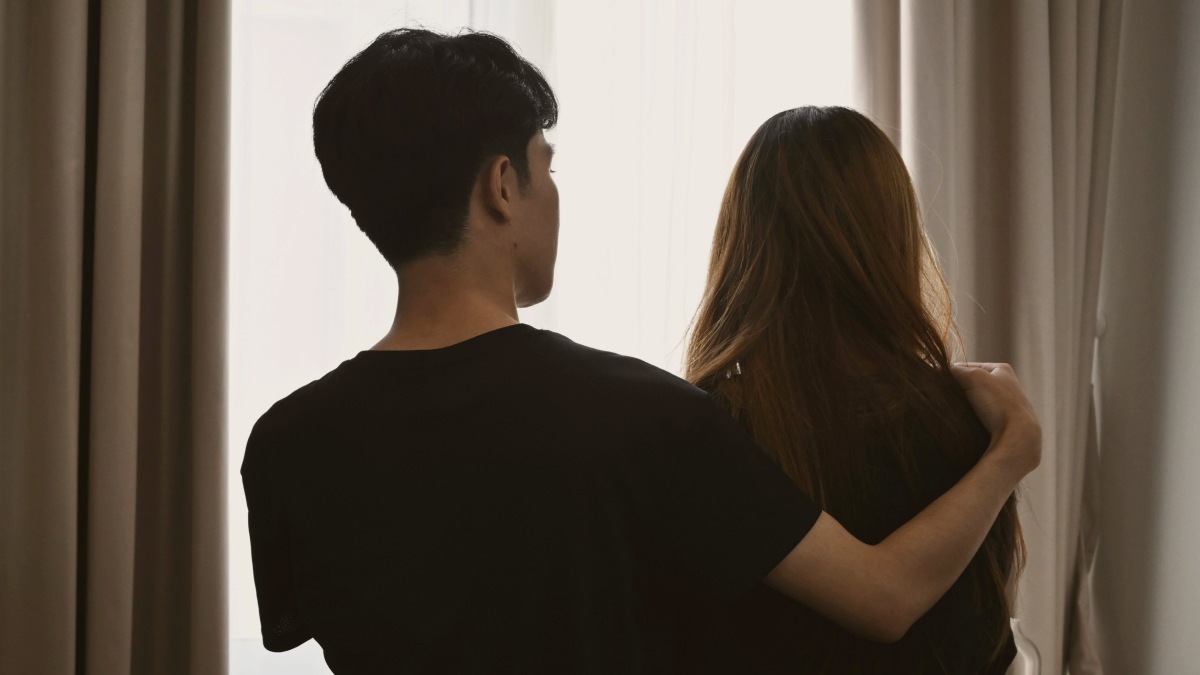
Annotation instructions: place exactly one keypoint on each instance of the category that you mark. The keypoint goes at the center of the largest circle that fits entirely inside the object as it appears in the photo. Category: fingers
(966, 373)
(984, 365)
(963, 373)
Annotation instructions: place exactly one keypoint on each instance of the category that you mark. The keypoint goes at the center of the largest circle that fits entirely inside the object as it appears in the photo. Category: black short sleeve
(723, 511)
(282, 628)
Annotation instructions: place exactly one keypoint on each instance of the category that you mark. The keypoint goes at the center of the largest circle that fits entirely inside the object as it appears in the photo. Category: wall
(1148, 589)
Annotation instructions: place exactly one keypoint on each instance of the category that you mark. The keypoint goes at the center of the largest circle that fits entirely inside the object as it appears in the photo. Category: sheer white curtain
(657, 98)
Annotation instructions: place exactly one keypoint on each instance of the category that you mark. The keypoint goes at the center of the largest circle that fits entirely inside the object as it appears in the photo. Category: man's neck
(440, 305)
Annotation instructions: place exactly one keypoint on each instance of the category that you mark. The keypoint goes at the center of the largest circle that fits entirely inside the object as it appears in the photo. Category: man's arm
(880, 591)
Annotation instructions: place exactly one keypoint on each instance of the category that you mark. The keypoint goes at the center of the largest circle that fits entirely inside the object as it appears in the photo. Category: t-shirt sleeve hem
(743, 515)
(771, 553)
(286, 642)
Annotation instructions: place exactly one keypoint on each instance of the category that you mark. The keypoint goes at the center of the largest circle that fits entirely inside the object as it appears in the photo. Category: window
(657, 100)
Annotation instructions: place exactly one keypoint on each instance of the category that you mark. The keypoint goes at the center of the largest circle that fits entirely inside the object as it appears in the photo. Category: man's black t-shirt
(515, 503)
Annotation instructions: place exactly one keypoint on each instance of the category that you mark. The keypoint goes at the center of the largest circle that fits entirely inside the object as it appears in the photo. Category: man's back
(512, 503)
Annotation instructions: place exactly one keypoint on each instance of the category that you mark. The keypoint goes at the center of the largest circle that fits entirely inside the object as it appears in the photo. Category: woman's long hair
(825, 323)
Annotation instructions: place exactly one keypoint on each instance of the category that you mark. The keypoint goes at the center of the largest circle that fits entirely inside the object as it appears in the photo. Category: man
(474, 495)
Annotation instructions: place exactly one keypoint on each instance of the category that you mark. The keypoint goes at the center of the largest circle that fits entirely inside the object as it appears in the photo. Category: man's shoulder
(551, 371)
(290, 415)
(609, 372)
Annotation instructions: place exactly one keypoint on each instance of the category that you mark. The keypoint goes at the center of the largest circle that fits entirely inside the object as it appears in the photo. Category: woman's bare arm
(880, 591)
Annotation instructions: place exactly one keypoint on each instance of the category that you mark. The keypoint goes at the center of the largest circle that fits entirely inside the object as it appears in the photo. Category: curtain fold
(112, 298)
(43, 57)
(1003, 112)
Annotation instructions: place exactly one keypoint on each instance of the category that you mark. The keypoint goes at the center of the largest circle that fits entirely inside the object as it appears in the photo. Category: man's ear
(499, 187)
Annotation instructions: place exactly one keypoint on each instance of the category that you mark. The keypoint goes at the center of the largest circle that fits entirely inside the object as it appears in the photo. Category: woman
(825, 328)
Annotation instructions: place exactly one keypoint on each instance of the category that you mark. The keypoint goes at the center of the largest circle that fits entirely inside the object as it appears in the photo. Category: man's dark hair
(404, 128)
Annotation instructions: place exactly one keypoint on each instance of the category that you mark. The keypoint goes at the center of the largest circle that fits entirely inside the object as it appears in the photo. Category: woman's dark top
(764, 632)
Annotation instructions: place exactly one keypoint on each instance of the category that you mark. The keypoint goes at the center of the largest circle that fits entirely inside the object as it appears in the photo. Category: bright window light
(657, 99)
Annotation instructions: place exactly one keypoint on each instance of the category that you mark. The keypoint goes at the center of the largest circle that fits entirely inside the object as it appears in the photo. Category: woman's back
(824, 329)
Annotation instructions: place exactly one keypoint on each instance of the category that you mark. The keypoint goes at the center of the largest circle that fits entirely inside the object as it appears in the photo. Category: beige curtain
(113, 193)
(1004, 113)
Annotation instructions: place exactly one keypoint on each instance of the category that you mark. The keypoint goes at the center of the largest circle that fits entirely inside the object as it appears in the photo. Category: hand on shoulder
(1003, 407)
